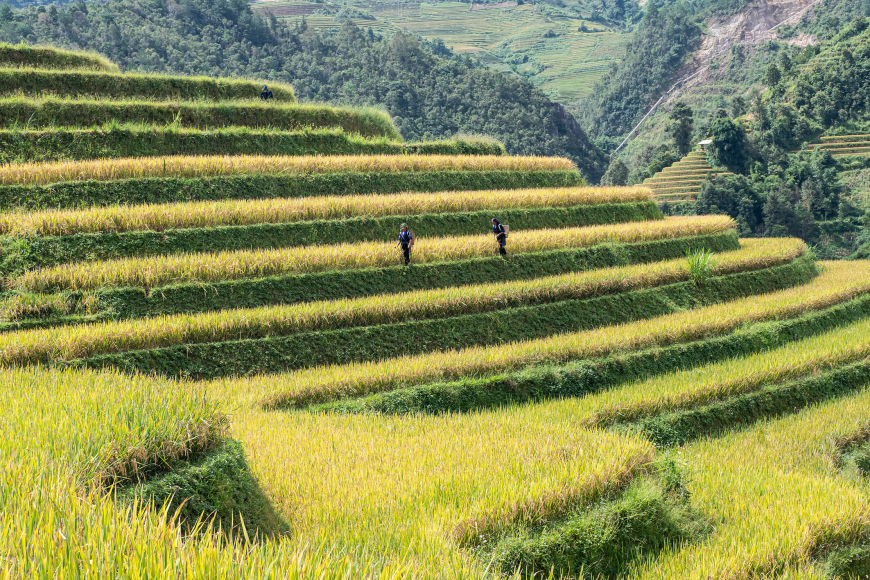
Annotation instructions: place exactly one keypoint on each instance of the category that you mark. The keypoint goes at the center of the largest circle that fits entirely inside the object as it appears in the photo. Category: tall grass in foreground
(224, 165)
(154, 271)
(67, 433)
(69, 342)
(104, 426)
(839, 282)
(201, 214)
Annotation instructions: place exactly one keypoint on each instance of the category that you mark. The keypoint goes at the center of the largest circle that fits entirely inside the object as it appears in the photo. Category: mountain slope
(732, 57)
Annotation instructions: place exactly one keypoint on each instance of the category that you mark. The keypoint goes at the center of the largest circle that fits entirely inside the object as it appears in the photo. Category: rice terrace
(216, 364)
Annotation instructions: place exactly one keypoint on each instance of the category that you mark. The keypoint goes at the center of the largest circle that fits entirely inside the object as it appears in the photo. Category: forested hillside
(792, 133)
(429, 92)
(659, 47)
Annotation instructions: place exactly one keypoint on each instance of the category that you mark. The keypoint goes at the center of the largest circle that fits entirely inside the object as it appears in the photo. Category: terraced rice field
(843, 145)
(204, 382)
(681, 182)
(507, 37)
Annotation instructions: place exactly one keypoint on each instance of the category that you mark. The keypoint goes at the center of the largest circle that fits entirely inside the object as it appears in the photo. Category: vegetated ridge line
(699, 71)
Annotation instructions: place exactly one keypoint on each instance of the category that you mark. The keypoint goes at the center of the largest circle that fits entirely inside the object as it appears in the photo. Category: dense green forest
(429, 91)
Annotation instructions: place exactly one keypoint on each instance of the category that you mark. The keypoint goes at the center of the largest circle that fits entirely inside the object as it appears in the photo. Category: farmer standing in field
(406, 241)
(500, 236)
(266, 94)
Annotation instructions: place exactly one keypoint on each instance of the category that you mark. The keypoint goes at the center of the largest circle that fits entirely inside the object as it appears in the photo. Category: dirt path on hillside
(755, 23)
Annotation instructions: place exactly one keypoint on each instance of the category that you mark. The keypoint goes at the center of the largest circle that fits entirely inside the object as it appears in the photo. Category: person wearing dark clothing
(266, 94)
(406, 242)
(500, 236)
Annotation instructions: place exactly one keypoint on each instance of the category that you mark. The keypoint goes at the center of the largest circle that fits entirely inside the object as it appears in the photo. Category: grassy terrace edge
(150, 141)
(250, 293)
(133, 86)
(770, 401)
(52, 112)
(47, 57)
(38, 251)
(369, 343)
(542, 382)
(161, 190)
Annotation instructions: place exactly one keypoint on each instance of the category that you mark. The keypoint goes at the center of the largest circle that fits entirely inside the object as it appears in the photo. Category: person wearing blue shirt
(406, 241)
(500, 236)
(266, 94)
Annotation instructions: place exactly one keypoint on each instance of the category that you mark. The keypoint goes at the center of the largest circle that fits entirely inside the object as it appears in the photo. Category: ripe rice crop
(401, 487)
(226, 165)
(67, 433)
(159, 217)
(839, 282)
(715, 382)
(775, 494)
(141, 422)
(70, 342)
(161, 270)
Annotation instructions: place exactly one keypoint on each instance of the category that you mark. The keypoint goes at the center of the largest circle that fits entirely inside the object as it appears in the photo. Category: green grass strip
(589, 376)
(54, 112)
(604, 539)
(150, 141)
(162, 190)
(341, 346)
(81, 83)
(25, 253)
